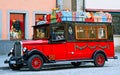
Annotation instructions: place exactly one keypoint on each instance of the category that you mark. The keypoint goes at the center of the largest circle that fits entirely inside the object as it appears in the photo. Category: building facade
(110, 6)
(18, 17)
(72, 5)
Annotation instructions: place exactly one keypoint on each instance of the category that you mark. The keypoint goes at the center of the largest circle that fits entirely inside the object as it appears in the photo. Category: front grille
(17, 49)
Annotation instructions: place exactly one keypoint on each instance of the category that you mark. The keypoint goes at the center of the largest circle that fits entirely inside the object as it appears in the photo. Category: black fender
(37, 52)
(99, 51)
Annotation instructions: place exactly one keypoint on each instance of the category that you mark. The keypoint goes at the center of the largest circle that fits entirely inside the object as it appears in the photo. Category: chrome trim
(18, 48)
(69, 61)
(24, 49)
(21, 47)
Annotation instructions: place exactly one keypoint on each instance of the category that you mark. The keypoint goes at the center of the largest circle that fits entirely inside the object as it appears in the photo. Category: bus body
(71, 41)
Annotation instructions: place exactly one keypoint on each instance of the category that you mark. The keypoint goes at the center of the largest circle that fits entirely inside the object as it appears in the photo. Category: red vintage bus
(72, 41)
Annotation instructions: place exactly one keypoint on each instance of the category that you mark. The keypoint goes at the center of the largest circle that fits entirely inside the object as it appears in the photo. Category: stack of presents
(59, 16)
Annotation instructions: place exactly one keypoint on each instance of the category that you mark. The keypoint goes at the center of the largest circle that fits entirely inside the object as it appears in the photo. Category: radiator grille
(17, 49)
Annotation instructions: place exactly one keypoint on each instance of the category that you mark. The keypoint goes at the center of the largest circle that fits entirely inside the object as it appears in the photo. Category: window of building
(59, 4)
(38, 18)
(74, 5)
(17, 26)
(58, 33)
(90, 32)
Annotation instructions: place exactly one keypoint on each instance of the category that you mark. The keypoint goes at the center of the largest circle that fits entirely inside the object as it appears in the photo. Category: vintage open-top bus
(72, 41)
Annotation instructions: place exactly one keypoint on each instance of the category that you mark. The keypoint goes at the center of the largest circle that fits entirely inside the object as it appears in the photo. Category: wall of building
(117, 40)
(29, 8)
(0, 24)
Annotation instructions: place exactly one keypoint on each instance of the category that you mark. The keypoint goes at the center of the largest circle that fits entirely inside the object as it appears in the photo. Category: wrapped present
(77, 16)
(53, 17)
(82, 16)
(97, 17)
(109, 17)
(104, 18)
(48, 18)
(92, 14)
(73, 16)
(90, 17)
(69, 16)
(64, 15)
(58, 16)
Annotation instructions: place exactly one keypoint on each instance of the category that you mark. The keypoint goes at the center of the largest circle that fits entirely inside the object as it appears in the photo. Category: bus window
(87, 32)
(80, 32)
(102, 33)
(92, 32)
(58, 33)
(41, 33)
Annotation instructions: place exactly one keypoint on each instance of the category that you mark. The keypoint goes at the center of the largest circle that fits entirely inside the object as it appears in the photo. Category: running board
(69, 61)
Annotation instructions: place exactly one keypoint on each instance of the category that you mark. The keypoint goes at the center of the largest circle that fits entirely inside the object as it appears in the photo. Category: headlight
(11, 50)
(24, 49)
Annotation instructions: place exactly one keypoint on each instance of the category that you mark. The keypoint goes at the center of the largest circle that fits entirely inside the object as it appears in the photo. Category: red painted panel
(72, 50)
(60, 51)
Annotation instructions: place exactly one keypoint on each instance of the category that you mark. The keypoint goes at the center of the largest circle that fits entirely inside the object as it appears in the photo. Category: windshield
(58, 33)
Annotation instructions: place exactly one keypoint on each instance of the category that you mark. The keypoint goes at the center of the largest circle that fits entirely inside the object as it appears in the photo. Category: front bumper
(14, 60)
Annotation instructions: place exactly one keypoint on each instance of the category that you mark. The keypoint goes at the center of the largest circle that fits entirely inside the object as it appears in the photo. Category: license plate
(13, 62)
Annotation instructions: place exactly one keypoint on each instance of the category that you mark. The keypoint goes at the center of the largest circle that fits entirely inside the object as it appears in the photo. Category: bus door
(59, 51)
(58, 42)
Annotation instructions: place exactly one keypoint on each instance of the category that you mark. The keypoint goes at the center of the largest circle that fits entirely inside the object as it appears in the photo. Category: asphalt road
(112, 67)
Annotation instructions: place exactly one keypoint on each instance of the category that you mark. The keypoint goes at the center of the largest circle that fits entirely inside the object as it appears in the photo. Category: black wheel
(14, 67)
(99, 60)
(35, 62)
(76, 64)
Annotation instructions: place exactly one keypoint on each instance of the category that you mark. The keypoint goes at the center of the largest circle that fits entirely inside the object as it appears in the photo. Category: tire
(35, 63)
(99, 60)
(15, 67)
(76, 64)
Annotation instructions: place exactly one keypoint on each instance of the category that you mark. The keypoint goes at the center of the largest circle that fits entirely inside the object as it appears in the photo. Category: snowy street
(112, 67)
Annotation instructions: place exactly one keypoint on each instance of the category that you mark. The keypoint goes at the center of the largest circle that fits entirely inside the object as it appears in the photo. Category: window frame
(106, 31)
(35, 32)
(53, 40)
(87, 32)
